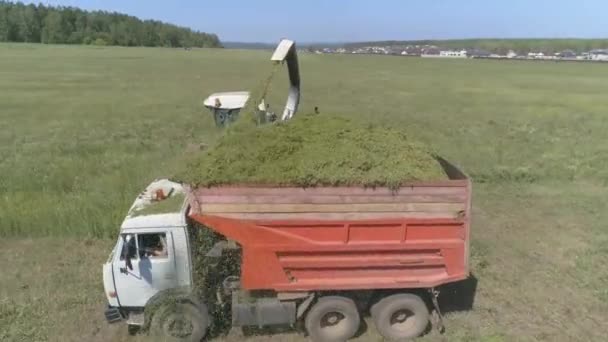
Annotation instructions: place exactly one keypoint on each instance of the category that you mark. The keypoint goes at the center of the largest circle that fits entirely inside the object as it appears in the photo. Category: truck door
(145, 266)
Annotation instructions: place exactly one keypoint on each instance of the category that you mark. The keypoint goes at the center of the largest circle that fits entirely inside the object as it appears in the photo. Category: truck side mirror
(126, 256)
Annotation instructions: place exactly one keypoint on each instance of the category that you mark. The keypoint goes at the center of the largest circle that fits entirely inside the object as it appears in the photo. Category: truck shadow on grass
(279, 333)
(459, 296)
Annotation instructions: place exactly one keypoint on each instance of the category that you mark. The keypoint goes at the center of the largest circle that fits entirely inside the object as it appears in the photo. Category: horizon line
(410, 40)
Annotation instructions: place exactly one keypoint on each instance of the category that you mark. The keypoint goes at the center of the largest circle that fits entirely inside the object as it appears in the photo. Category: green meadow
(84, 129)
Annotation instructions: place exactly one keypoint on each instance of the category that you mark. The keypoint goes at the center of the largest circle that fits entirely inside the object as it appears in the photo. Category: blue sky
(357, 20)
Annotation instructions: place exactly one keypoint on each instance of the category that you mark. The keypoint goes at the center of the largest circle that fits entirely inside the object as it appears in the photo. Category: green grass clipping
(313, 150)
(170, 205)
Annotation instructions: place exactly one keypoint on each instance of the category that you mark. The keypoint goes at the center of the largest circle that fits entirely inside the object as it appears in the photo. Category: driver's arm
(162, 250)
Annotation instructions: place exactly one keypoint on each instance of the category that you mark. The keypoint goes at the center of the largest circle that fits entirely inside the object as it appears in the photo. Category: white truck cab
(151, 254)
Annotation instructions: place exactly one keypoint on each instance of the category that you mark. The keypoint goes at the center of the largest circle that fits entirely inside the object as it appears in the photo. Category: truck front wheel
(401, 316)
(332, 318)
(180, 322)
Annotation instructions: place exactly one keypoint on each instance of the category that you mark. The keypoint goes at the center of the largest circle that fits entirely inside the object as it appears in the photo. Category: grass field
(83, 129)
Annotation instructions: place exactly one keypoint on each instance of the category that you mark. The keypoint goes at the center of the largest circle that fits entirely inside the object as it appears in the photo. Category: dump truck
(318, 258)
(322, 256)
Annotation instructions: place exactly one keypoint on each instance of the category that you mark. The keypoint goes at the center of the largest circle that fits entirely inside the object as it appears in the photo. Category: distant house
(413, 50)
(536, 55)
(430, 52)
(567, 54)
(512, 54)
(479, 53)
(391, 51)
(598, 55)
(453, 54)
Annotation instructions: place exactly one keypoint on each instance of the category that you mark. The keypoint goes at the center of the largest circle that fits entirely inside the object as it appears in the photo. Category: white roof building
(453, 54)
(598, 55)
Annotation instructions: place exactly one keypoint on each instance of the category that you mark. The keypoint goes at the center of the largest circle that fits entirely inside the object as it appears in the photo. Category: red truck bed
(344, 238)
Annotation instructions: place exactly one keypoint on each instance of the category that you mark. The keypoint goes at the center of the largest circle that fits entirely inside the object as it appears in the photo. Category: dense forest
(502, 46)
(68, 25)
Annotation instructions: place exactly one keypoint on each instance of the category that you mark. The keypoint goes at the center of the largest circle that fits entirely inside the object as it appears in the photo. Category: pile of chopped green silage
(313, 150)
(172, 204)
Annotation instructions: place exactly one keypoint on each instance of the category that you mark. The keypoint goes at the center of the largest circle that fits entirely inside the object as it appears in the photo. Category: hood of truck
(148, 211)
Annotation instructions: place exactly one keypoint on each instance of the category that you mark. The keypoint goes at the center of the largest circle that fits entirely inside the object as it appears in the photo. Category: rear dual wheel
(332, 319)
(397, 317)
(400, 317)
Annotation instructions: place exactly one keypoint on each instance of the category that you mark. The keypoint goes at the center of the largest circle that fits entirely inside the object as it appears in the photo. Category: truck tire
(400, 317)
(332, 319)
(180, 322)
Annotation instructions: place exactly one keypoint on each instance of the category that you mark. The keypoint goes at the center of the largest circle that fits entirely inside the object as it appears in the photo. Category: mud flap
(437, 312)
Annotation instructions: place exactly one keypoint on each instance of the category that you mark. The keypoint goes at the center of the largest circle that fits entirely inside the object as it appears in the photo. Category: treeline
(502, 46)
(69, 25)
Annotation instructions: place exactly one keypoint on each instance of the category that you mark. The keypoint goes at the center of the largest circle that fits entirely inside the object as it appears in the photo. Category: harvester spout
(286, 52)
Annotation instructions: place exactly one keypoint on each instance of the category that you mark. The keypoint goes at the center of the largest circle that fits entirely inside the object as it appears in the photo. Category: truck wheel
(401, 316)
(332, 318)
(180, 322)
